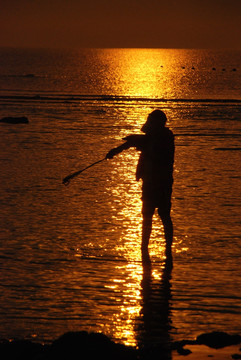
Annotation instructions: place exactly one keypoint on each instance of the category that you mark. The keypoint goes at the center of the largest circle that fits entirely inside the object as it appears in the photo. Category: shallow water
(70, 256)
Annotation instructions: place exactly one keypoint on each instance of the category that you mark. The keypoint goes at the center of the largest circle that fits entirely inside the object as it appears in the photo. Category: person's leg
(147, 213)
(164, 210)
(168, 231)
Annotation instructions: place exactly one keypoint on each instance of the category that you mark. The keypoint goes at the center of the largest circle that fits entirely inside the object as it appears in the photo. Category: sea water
(70, 256)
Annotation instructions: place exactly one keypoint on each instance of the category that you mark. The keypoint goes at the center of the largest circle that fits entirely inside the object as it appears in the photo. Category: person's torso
(155, 163)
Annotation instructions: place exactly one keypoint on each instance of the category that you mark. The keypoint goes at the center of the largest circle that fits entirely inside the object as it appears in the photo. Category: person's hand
(110, 154)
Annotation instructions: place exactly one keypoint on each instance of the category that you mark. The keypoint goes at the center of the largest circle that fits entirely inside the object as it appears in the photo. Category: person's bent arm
(136, 141)
(117, 150)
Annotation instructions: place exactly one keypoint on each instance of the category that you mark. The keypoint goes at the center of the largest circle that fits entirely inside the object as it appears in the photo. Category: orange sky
(121, 23)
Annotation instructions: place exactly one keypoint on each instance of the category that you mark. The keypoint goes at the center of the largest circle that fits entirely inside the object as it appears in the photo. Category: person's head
(156, 121)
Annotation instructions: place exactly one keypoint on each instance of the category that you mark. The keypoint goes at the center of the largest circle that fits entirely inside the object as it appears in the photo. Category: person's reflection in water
(154, 325)
(155, 168)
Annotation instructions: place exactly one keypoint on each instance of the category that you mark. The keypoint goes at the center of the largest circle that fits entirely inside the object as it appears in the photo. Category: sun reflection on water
(145, 299)
(80, 269)
(130, 284)
(148, 73)
(143, 72)
(134, 284)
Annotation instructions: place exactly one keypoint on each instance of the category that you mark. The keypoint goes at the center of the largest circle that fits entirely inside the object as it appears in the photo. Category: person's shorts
(157, 196)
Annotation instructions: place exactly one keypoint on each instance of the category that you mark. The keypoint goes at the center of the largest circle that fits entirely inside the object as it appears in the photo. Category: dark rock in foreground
(218, 340)
(215, 340)
(20, 349)
(93, 346)
(77, 345)
(236, 356)
(70, 346)
(15, 120)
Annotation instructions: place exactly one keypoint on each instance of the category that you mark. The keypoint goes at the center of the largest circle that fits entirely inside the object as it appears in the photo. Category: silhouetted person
(155, 168)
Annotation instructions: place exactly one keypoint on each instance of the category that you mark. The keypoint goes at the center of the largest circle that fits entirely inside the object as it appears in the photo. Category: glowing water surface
(71, 255)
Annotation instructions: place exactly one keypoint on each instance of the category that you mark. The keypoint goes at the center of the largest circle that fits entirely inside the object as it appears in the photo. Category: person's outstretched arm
(131, 141)
(117, 150)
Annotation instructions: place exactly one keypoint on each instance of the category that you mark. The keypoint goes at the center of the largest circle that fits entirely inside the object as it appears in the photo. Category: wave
(114, 98)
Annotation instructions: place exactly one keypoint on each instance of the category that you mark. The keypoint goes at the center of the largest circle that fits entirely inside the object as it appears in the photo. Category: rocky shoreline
(91, 346)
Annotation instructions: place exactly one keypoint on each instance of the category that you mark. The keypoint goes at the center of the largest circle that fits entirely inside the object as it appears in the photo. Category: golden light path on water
(130, 284)
(128, 190)
(137, 76)
(71, 259)
(145, 72)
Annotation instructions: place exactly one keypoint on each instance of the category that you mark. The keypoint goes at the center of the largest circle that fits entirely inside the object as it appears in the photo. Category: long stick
(67, 179)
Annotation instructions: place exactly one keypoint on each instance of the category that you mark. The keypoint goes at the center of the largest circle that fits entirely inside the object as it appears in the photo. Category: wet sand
(200, 352)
